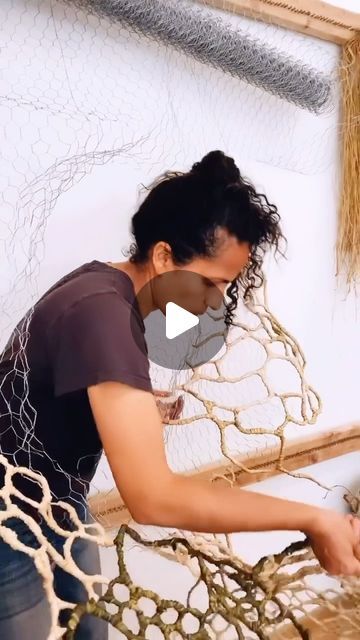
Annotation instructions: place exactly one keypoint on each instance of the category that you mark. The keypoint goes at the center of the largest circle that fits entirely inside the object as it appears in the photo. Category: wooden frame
(312, 17)
(109, 509)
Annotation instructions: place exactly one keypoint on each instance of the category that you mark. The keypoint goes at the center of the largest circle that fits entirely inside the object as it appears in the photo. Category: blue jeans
(24, 609)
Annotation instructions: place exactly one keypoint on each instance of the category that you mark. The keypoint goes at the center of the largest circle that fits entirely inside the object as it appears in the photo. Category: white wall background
(350, 5)
(95, 87)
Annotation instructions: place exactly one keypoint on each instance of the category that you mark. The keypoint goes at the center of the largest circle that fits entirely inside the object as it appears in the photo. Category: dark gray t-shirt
(81, 332)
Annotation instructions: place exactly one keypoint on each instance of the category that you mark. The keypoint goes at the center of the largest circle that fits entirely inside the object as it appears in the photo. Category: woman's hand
(169, 409)
(335, 540)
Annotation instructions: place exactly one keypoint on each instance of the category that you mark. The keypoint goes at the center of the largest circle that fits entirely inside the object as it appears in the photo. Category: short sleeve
(98, 340)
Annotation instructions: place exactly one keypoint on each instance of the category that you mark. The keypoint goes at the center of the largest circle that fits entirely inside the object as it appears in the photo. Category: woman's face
(201, 284)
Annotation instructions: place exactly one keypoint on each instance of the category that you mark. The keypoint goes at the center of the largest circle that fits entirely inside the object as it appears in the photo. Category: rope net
(279, 595)
(250, 397)
(266, 600)
(88, 84)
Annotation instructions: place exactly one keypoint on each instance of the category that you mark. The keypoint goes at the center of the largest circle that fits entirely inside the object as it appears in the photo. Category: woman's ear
(162, 258)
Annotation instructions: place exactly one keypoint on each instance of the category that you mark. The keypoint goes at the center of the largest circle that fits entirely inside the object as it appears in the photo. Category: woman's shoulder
(90, 279)
(84, 290)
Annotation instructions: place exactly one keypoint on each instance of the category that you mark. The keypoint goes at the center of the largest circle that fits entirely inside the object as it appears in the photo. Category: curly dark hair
(186, 209)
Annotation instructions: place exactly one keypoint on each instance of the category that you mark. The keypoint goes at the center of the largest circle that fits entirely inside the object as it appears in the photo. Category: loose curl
(186, 210)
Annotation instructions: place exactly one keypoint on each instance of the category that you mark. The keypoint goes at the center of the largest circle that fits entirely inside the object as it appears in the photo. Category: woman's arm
(131, 431)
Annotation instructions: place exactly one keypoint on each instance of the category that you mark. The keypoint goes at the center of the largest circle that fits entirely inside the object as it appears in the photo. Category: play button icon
(178, 320)
(184, 324)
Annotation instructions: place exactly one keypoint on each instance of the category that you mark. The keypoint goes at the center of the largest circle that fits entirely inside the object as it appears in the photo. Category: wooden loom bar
(110, 510)
(312, 17)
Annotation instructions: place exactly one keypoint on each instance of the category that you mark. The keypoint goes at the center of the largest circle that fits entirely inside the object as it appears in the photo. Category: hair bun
(217, 169)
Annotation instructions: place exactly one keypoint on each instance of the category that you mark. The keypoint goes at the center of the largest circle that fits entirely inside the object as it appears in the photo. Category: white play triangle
(178, 320)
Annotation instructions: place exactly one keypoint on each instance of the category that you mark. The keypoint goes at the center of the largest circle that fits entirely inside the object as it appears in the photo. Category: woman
(89, 385)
